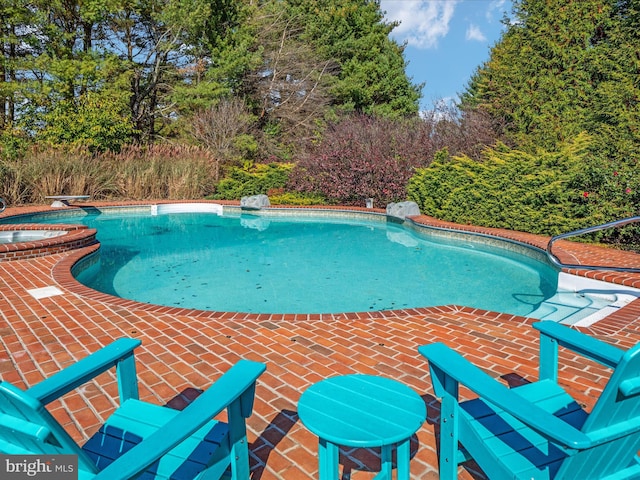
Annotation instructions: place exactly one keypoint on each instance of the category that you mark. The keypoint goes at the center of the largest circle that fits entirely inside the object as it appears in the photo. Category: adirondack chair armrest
(118, 353)
(578, 342)
(449, 369)
(237, 385)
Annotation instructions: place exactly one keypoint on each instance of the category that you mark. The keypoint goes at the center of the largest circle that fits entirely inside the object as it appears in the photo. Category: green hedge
(252, 179)
(542, 192)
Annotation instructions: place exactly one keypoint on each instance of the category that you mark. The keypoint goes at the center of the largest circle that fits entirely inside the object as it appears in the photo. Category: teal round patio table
(362, 411)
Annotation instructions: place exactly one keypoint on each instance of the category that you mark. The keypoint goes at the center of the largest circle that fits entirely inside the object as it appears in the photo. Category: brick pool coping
(184, 351)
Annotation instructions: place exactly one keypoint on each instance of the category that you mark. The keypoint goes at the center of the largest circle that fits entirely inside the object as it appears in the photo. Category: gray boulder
(402, 210)
(255, 202)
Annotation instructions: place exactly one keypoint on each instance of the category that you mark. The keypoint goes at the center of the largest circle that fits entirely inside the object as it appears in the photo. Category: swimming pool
(292, 262)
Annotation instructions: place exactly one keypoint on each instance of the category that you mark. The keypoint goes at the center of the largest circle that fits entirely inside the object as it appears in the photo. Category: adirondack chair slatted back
(620, 399)
(26, 427)
(139, 439)
(615, 421)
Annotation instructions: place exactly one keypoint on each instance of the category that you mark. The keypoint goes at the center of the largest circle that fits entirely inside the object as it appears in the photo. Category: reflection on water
(257, 223)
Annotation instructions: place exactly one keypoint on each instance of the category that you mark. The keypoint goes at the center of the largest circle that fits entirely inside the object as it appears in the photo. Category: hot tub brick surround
(76, 236)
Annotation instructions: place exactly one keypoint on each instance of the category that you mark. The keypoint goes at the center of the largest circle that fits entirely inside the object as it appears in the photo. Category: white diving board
(63, 200)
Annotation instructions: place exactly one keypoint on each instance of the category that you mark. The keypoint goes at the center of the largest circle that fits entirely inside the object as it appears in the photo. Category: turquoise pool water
(303, 264)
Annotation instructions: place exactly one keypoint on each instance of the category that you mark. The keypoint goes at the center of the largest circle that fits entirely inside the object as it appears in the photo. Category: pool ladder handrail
(604, 226)
(3, 205)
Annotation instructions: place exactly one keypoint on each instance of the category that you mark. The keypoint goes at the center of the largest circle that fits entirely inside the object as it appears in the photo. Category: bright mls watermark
(39, 467)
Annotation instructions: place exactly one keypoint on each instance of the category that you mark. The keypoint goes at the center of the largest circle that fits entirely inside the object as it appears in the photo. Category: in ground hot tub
(17, 236)
(18, 242)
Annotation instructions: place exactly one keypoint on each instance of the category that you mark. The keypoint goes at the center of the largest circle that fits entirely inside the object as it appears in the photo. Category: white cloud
(495, 7)
(474, 33)
(422, 22)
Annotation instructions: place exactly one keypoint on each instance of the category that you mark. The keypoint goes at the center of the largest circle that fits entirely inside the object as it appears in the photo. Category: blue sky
(446, 41)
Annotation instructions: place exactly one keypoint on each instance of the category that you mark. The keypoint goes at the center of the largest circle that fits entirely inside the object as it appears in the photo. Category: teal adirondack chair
(537, 431)
(139, 440)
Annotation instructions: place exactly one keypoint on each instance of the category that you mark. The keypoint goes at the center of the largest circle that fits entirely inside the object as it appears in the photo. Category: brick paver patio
(183, 351)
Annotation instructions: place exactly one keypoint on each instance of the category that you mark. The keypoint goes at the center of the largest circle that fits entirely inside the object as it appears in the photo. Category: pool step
(570, 308)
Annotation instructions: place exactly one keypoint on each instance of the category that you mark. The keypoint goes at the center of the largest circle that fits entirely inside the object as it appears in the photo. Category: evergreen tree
(18, 43)
(615, 114)
(372, 77)
(217, 54)
(538, 79)
(568, 67)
